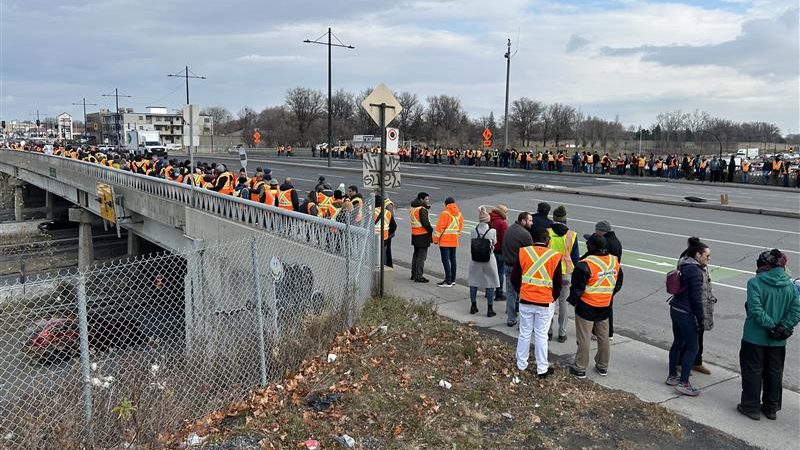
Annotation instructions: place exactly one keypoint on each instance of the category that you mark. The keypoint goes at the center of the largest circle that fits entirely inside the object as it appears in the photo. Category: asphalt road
(652, 235)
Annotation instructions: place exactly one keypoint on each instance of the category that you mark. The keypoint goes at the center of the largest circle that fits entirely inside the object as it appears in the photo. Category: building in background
(169, 124)
(65, 130)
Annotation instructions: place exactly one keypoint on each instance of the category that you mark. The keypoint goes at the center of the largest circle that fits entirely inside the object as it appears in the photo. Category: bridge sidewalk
(635, 367)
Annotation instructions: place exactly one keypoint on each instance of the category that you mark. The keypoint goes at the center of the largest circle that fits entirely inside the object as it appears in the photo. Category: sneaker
(687, 389)
(451, 284)
(754, 416)
(443, 284)
(579, 374)
(511, 323)
(473, 309)
(562, 339)
(602, 372)
(420, 280)
(544, 375)
(702, 369)
(499, 297)
(672, 380)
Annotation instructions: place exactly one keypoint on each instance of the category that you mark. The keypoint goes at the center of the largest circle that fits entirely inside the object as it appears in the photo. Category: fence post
(85, 361)
(262, 360)
(348, 282)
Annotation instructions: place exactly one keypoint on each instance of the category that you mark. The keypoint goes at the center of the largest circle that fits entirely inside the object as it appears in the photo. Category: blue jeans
(473, 295)
(745, 177)
(501, 270)
(684, 343)
(449, 263)
(512, 300)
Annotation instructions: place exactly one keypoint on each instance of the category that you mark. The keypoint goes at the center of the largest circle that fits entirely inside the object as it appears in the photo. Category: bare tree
(561, 119)
(344, 111)
(410, 119)
(307, 106)
(444, 116)
(525, 113)
(672, 123)
(276, 127)
(220, 116)
(246, 120)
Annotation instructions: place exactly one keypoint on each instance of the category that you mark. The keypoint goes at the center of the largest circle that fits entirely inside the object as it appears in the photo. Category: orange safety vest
(538, 264)
(745, 167)
(776, 166)
(227, 188)
(358, 207)
(551, 158)
(256, 186)
(703, 165)
(285, 200)
(589, 159)
(602, 280)
(642, 162)
(325, 205)
(387, 217)
(448, 229)
(271, 196)
(416, 226)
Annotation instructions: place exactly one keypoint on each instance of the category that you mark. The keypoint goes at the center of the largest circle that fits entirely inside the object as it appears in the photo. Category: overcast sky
(733, 58)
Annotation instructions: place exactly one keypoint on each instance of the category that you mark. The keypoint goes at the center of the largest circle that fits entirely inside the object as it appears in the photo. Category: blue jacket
(690, 300)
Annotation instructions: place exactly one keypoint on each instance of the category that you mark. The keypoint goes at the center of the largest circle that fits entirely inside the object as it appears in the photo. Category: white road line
(302, 179)
(663, 273)
(420, 186)
(504, 174)
(675, 259)
(662, 216)
(762, 247)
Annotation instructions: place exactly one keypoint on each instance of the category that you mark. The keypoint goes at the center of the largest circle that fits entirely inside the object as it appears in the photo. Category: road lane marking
(658, 263)
(420, 186)
(661, 216)
(664, 273)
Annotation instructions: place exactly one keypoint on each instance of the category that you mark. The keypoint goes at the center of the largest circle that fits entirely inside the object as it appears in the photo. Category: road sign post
(383, 107)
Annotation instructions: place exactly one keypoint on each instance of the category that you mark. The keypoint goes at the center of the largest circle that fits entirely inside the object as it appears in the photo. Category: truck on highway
(748, 153)
(139, 142)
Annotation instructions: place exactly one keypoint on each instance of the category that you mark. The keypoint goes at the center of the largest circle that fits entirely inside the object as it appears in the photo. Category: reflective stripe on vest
(285, 200)
(416, 224)
(602, 280)
(563, 244)
(387, 217)
(538, 270)
(452, 228)
(255, 187)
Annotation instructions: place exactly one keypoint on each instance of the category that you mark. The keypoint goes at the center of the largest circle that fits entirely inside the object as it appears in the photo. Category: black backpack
(481, 248)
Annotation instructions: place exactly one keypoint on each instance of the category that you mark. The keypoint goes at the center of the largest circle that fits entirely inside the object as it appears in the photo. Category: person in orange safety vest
(448, 229)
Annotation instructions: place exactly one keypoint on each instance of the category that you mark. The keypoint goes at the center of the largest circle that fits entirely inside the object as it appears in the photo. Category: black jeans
(762, 377)
(684, 343)
(387, 253)
(418, 262)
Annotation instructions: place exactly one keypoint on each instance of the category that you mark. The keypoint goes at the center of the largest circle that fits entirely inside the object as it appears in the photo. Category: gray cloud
(576, 42)
(764, 48)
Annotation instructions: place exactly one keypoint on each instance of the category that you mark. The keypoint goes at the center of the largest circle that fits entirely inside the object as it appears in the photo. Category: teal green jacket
(771, 300)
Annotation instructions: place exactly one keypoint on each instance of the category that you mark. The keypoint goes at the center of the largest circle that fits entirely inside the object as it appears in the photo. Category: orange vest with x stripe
(538, 264)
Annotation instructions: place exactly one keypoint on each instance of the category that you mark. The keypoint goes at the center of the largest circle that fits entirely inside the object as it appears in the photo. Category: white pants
(536, 320)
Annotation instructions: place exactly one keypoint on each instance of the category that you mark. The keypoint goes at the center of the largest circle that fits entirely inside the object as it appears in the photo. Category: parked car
(60, 223)
(58, 338)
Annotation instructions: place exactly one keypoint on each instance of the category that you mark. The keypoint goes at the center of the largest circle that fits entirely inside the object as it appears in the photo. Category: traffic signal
(37, 123)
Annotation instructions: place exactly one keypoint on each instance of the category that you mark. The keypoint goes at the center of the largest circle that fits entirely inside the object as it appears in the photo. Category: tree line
(441, 120)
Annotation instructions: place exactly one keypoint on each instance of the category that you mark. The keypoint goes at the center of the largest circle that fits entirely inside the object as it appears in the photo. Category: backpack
(481, 248)
(673, 282)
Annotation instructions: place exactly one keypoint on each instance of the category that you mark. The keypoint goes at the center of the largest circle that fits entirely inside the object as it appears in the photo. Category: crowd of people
(535, 266)
(775, 170)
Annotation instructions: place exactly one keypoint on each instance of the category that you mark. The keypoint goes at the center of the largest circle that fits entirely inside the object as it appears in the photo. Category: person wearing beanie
(448, 229)
(540, 219)
(595, 278)
(497, 221)
(483, 267)
(773, 310)
(614, 246)
(565, 241)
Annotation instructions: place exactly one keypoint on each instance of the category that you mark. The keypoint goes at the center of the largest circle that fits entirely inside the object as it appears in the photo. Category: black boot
(490, 312)
(473, 309)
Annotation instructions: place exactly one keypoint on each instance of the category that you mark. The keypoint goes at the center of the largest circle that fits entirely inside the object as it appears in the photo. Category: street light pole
(116, 96)
(186, 76)
(330, 44)
(508, 56)
(84, 113)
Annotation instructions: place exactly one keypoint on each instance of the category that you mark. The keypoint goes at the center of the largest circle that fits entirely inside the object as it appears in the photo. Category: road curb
(565, 190)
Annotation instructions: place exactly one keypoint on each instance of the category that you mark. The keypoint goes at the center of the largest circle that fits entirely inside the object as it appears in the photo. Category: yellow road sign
(105, 195)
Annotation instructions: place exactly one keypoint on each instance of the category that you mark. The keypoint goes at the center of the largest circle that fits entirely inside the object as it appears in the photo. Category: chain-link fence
(131, 349)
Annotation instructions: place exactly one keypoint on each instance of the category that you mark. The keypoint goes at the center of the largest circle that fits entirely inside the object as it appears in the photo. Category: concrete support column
(134, 244)
(19, 200)
(48, 204)
(85, 247)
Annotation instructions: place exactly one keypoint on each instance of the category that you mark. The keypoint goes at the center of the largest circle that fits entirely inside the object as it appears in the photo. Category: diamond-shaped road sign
(379, 95)
(487, 134)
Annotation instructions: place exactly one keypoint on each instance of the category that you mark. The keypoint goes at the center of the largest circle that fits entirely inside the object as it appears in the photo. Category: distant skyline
(737, 59)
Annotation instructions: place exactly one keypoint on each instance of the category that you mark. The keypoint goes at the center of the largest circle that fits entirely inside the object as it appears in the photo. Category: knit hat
(501, 210)
(603, 226)
(770, 259)
(543, 208)
(596, 241)
(560, 214)
(483, 216)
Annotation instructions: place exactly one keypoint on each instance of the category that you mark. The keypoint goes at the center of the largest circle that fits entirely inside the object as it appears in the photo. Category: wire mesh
(147, 343)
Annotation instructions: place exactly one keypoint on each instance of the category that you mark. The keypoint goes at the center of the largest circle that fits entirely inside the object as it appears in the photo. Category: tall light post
(508, 56)
(116, 96)
(714, 135)
(330, 44)
(185, 75)
(85, 134)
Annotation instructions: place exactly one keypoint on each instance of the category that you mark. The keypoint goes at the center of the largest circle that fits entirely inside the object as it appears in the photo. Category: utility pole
(640, 139)
(508, 56)
(116, 96)
(38, 132)
(85, 134)
(330, 44)
(186, 76)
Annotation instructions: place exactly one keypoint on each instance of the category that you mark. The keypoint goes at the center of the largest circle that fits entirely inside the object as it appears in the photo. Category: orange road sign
(487, 143)
(487, 134)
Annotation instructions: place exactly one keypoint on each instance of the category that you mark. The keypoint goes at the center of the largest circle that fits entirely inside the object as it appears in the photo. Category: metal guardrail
(290, 224)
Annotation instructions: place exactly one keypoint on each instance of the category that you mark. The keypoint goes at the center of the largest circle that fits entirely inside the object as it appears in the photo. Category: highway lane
(788, 200)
